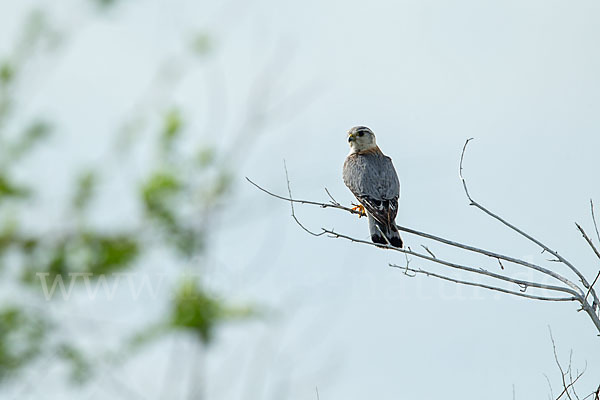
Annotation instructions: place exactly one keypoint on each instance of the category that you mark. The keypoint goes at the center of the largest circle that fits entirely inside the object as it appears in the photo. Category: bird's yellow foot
(360, 209)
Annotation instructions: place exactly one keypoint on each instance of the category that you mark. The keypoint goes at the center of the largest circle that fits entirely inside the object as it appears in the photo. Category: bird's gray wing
(373, 180)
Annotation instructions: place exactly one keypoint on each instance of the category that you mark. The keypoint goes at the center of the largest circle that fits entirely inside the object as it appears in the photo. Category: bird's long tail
(390, 233)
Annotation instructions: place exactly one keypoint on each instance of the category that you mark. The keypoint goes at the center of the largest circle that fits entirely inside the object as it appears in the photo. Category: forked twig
(287, 178)
(429, 251)
(333, 201)
(566, 385)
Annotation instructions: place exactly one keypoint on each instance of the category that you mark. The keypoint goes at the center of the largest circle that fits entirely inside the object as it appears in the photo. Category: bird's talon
(360, 209)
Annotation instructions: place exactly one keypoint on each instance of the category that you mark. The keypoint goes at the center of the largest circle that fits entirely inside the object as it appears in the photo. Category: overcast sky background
(522, 77)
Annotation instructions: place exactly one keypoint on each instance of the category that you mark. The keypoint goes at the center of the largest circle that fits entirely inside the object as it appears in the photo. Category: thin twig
(429, 251)
(578, 375)
(513, 227)
(460, 267)
(594, 393)
(573, 289)
(588, 240)
(425, 235)
(315, 203)
(333, 201)
(590, 310)
(572, 382)
(406, 269)
(594, 220)
(591, 286)
(292, 204)
(481, 285)
(550, 386)
(493, 255)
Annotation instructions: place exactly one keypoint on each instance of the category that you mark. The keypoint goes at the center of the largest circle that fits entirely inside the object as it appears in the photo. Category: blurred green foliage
(106, 3)
(202, 44)
(172, 127)
(7, 73)
(195, 309)
(84, 251)
(176, 194)
(84, 190)
(21, 339)
(10, 189)
(81, 367)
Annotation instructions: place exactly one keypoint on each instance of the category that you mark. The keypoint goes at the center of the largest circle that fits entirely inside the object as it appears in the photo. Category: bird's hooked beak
(351, 138)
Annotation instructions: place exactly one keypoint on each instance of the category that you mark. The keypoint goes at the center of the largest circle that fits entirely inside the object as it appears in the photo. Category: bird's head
(361, 138)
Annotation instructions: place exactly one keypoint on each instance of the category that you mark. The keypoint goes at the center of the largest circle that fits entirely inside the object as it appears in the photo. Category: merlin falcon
(371, 177)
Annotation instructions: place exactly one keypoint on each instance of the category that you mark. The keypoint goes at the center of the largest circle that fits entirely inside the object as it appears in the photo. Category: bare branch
(314, 203)
(576, 292)
(591, 286)
(487, 253)
(575, 295)
(514, 228)
(590, 310)
(588, 240)
(481, 285)
(493, 255)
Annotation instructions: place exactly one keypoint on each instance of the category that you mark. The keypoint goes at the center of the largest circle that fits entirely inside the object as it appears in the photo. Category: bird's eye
(361, 133)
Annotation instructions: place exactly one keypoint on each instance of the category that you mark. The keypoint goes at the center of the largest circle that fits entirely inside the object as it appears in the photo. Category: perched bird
(371, 177)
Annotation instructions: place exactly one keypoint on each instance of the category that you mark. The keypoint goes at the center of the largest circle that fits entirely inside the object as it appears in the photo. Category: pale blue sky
(520, 76)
